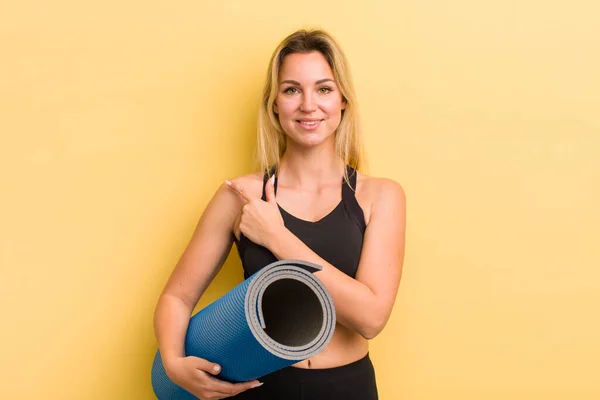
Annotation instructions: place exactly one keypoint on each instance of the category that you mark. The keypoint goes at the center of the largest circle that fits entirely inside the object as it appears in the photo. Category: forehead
(305, 67)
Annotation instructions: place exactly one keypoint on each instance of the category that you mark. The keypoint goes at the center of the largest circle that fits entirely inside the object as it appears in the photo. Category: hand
(261, 220)
(194, 375)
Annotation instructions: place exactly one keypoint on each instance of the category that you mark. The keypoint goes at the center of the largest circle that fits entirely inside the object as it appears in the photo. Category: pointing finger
(240, 190)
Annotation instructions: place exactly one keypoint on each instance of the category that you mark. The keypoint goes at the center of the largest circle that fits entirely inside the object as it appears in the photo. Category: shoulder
(251, 183)
(375, 193)
(376, 186)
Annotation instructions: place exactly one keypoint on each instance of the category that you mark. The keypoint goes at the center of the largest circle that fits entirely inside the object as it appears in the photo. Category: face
(309, 103)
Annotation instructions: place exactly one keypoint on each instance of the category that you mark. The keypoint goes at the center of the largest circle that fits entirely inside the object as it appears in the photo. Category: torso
(315, 217)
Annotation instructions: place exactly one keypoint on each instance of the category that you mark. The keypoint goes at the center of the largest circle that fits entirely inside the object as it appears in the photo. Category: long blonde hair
(272, 138)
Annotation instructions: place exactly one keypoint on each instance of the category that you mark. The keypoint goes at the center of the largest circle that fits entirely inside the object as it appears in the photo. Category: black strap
(350, 202)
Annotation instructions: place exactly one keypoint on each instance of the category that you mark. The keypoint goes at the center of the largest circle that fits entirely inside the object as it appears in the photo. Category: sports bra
(337, 237)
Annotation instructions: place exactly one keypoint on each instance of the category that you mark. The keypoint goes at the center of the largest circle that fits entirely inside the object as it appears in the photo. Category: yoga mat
(277, 317)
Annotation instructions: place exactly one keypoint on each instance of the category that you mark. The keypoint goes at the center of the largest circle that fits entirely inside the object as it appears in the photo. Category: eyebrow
(298, 83)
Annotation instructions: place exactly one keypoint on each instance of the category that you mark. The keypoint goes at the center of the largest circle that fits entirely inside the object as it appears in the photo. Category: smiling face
(309, 103)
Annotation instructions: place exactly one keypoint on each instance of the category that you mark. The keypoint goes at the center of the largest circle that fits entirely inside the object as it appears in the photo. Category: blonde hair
(271, 136)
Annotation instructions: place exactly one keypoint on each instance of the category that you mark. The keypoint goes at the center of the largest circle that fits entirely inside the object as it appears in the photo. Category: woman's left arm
(363, 304)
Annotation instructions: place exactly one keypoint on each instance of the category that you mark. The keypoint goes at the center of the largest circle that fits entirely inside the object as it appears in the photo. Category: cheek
(285, 107)
(332, 103)
(333, 107)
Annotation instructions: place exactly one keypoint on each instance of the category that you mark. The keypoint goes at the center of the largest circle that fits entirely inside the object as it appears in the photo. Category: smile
(309, 124)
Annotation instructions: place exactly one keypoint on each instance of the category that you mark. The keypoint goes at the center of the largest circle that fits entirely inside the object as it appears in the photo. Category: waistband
(315, 374)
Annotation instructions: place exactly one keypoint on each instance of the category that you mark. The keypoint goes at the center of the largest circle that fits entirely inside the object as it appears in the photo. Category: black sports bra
(337, 237)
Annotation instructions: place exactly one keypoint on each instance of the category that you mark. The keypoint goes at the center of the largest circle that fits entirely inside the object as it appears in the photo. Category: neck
(310, 168)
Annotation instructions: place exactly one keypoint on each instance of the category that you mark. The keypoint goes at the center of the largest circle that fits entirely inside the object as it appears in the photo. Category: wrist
(277, 241)
(169, 363)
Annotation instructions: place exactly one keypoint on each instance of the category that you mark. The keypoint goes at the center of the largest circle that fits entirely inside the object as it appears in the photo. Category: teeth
(309, 123)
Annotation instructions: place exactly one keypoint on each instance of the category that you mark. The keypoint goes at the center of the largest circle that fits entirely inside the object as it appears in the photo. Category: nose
(308, 104)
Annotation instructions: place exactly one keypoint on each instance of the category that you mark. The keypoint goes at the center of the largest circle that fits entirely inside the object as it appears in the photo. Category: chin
(310, 140)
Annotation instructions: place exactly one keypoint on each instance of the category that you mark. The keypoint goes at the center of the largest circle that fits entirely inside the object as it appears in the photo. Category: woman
(309, 203)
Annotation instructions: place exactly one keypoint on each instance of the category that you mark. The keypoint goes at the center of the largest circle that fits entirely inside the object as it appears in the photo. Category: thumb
(207, 366)
(270, 190)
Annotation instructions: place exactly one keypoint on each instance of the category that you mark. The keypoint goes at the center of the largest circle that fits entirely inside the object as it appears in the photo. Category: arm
(200, 262)
(363, 304)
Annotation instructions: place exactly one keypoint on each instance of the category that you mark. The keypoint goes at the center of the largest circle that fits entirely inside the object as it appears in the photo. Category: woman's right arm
(200, 262)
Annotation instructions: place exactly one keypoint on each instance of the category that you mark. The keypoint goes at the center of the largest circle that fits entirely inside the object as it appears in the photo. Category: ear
(344, 104)
(275, 108)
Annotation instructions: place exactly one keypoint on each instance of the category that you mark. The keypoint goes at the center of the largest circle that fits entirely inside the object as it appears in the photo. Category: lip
(309, 124)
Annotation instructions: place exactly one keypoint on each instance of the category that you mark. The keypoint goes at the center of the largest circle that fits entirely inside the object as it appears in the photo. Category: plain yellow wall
(119, 119)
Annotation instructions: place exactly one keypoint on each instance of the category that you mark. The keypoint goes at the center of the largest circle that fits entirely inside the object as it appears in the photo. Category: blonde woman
(309, 203)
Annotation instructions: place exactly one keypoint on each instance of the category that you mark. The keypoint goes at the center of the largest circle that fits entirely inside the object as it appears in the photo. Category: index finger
(240, 190)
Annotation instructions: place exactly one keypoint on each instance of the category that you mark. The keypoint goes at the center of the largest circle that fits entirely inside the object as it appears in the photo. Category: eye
(325, 90)
(291, 90)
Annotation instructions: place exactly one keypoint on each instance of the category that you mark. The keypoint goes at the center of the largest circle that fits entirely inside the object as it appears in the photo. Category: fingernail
(256, 385)
(228, 183)
(216, 368)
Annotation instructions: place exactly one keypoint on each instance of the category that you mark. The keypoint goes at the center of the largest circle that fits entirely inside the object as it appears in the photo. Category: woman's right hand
(196, 376)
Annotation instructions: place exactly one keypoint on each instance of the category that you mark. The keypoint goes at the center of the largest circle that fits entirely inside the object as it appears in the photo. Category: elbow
(370, 333)
(372, 327)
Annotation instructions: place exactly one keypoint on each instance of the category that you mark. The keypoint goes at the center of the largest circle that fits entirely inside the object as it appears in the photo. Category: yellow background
(119, 119)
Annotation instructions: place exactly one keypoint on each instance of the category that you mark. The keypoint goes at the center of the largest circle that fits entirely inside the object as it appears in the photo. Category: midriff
(345, 347)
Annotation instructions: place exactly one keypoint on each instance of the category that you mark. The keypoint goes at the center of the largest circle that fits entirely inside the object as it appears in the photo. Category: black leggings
(355, 381)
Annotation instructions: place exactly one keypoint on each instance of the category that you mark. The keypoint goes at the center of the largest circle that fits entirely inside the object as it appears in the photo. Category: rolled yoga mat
(277, 317)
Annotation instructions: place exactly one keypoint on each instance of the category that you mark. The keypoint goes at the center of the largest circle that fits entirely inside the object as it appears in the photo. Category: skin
(309, 187)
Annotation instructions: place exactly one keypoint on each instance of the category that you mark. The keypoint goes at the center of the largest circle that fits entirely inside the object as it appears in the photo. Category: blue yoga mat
(277, 317)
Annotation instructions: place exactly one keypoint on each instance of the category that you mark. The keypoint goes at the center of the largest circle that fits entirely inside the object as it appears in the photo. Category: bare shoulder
(376, 192)
(252, 183)
(376, 186)
(228, 201)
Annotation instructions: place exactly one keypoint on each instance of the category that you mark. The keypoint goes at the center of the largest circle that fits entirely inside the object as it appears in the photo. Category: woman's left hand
(261, 220)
